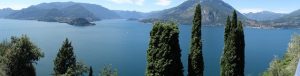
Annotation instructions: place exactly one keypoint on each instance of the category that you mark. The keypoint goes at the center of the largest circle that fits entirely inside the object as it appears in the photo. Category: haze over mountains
(6, 11)
(59, 10)
(264, 15)
(291, 20)
(214, 12)
(130, 14)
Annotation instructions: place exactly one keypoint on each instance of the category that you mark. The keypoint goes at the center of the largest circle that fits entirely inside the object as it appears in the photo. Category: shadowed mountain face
(263, 16)
(49, 11)
(214, 12)
(78, 11)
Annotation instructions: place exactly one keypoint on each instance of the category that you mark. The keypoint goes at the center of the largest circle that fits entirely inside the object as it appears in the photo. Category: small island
(80, 22)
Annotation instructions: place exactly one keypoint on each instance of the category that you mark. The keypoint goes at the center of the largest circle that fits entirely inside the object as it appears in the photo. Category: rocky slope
(214, 12)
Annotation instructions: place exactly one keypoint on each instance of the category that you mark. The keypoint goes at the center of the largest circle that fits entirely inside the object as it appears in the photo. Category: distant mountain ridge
(6, 11)
(263, 15)
(130, 14)
(214, 12)
(291, 20)
(64, 10)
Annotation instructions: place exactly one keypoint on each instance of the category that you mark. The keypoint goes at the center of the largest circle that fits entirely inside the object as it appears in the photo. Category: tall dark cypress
(234, 21)
(91, 71)
(240, 43)
(65, 58)
(163, 54)
(195, 59)
(227, 28)
(233, 59)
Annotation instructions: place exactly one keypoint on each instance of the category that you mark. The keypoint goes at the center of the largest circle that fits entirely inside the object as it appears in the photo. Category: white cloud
(163, 2)
(248, 10)
(137, 2)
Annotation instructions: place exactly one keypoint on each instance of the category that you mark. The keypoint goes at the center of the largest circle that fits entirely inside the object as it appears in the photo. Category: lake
(124, 43)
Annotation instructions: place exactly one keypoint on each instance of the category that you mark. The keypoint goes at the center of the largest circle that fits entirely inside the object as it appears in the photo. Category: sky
(278, 6)
(244, 6)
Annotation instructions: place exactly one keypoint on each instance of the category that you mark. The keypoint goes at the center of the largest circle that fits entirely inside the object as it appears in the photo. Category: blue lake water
(124, 43)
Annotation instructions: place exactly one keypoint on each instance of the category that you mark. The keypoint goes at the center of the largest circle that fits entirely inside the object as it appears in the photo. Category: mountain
(67, 13)
(263, 15)
(6, 11)
(64, 10)
(293, 14)
(78, 11)
(214, 12)
(130, 14)
(291, 20)
(100, 12)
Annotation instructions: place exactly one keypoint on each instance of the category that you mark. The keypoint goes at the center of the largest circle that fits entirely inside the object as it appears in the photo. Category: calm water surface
(124, 43)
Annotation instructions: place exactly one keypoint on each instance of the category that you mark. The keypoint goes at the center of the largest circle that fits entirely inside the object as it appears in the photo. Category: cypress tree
(240, 43)
(163, 54)
(227, 27)
(233, 59)
(91, 71)
(195, 59)
(65, 58)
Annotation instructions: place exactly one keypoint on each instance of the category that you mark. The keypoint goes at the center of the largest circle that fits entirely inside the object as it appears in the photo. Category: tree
(2, 69)
(163, 54)
(20, 56)
(78, 70)
(65, 58)
(287, 65)
(91, 71)
(195, 59)
(108, 71)
(233, 59)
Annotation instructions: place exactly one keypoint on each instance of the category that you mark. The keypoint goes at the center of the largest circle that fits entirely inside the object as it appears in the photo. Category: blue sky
(244, 6)
(279, 6)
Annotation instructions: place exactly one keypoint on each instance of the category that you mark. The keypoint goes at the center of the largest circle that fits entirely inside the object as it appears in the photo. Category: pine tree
(91, 71)
(65, 58)
(163, 54)
(233, 59)
(195, 60)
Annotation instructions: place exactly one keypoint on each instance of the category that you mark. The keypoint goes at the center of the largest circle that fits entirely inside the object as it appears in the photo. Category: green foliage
(195, 60)
(233, 59)
(227, 28)
(288, 64)
(4, 46)
(65, 58)
(2, 69)
(78, 70)
(19, 56)
(108, 71)
(163, 54)
(91, 71)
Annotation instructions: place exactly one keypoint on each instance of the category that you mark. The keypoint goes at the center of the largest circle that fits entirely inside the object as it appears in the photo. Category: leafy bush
(288, 64)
